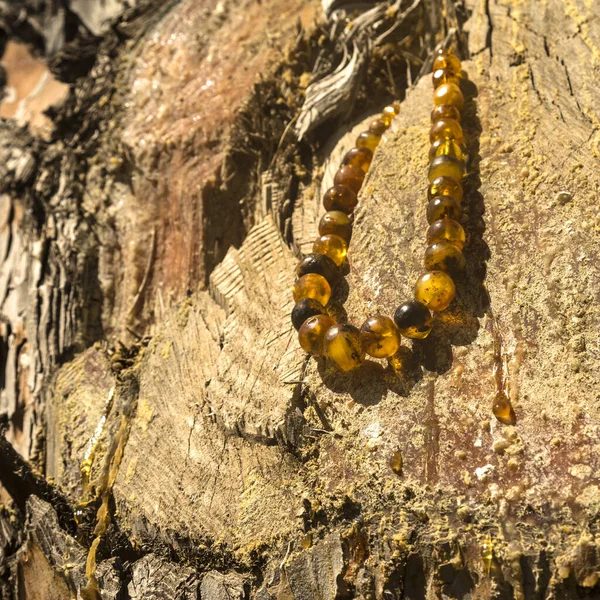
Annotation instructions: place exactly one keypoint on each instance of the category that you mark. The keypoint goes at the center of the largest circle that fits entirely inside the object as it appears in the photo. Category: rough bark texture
(150, 373)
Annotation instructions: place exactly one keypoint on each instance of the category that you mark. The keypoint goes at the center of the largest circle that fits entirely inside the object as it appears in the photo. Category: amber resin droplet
(442, 76)
(444, 256)
(447, 230)
(337, 223)
(312, 286)
(443, 207)
(396, 462)
(443, 147)
(435, 289)
(305, 309)
(446, 166)
(413, 320)
(444, 186)
(444, 59)
(349, 176)
(319, 264)
(445, 111)
(449, 93)
(312, 333)
(333, 246)
(369, 140)
(340, 197)
(379, 336)
(358, 157)
(487, 554)
(446, 129)
(503, 410)
(378, 127)
(343, 347)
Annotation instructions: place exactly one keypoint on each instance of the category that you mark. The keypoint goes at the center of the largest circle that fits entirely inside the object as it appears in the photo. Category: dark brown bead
(378, 127)
(445, 111)
(321, 265)
(303, 310)
(358, 157)
(349, 176)
(340, 197)
(444, 186)
(443, 207)
(413, 319)
(444, 256)
(336, 222)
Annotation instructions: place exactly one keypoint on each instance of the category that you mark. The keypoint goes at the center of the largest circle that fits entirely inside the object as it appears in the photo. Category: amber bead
(319, 264)
(413, 320)
(333, 246)
(378, 127)
(446, 60)
(343, 347)
(443, 207)
(387, 114)
(445, 111)
(340, 197)
(349, 176)
(358, 157)
(305, 309)
(369, 140)
(336, 222)
(380, 337)
(312, 286)
(444, 186)
(446, 166)
(435, 289)
(446, 148)
(446, 129)
(449, 93)
(446, 230)
(312, 332)
(442, 76)
(444, 256)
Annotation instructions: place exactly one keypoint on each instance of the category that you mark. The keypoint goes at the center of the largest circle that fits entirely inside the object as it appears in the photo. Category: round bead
(449, 93)
(387, 114)
(444, 186)
(358, 157)
(435, 289)
(349, 176)
(446, 230)
(369, 140)
(446, 166)
(305, 309)
(343, 347)
(340, 197)
(333, 246)
(336, 222)
(312, 286)
(446, 129)
(319, 264)
(447, 60)
(443, 207)
(413, 320)
(444, 147)
(378, 127)
(380, 337)
(445, 111)
(444, 256)
(311, 334)
(442, 76)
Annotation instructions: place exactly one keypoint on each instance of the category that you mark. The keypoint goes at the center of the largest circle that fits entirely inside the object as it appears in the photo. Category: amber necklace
(379, 336)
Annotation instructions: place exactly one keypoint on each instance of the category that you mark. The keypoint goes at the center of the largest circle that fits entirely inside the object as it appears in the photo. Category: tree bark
(169, 438)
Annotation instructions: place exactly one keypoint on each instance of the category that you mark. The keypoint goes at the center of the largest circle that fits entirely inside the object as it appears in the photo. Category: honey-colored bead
(413, 320)
(446, 60)
(446, 148)
(342, 346)
(435, 289)
(337, 223)
(387, 115)
(444, 186)
(442, 76)
(380, 337)
(304, 310)
(446, 166)
(369, 140)
(444, 256)
(340, 197)
(311, 334)
(445, 111)
(446, 129)
(447, 230)
(333, 246)
(392, 109)
(312, 286)
(443, 207)
(449, 93)
(321, 265)
(378, 126)
(358, 157)
(349, 176)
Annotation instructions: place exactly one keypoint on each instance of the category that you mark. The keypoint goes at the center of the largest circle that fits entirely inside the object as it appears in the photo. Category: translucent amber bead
(349, 176)
(380, 337)
(312, 286)
(442, 76)
(446, 166)
(449, 93)
(444, 256)
(340, 197)
(305, 309)
(369, 140)
(343, 347)
(413, 320)
(446, 129)
(445, 111)
(378, 126)
(447, 60)
(446, 230)
(333, 246)
(446, 148)
(319, 264)
(311, 334)
(337, 223)
(443, 207)
(444, 186)
(435, 289)
(358, 157)
(391, 110)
